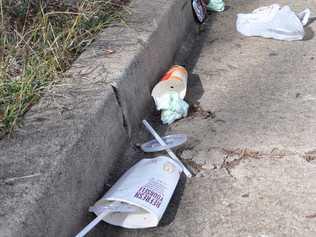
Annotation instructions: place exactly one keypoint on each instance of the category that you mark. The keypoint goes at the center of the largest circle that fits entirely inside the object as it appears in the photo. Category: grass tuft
(38, 41)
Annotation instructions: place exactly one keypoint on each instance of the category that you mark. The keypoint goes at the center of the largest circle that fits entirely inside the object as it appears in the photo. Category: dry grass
(38, 41)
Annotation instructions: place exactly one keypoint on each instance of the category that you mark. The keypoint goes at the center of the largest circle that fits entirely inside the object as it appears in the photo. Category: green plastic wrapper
(216, 5)
(173, 108)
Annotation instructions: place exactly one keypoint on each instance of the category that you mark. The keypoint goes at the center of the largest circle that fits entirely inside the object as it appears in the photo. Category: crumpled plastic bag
(273, 22)
(172, 107)
(216, 5)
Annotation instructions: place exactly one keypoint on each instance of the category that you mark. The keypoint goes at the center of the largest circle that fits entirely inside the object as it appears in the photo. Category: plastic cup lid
(170, 140)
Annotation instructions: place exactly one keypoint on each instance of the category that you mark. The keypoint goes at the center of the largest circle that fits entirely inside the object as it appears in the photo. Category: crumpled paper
(172, 107)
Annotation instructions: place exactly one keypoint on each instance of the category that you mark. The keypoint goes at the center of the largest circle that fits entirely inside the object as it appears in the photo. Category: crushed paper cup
(175, 80)
(169, 94)
(147, 188)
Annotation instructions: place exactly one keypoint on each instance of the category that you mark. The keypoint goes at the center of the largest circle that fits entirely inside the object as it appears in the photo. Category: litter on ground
(273, 22)
(169, 95)
(171, 141)
(199, 9)
(216, 5)
(140, 197)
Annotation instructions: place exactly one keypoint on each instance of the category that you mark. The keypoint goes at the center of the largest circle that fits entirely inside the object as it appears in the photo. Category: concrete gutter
(59, 162)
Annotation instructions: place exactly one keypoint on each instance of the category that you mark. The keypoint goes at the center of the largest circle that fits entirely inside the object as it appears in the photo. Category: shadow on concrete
(309, 33)
(227, 8)
(310, 21)
(188, 56)
(175, 201)
(195, 89)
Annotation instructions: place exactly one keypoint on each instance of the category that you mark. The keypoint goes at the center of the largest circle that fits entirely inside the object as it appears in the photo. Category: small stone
(209, 166)
(273, 54)
(187, 155)
(227, 204)
(200, 174)
(201, 158)
(232, 158)
(216, 157)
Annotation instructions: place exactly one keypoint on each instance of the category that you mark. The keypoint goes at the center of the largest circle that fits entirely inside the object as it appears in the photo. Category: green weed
(39, 41)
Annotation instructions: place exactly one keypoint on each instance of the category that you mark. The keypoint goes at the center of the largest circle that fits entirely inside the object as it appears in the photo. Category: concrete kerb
(59, 162)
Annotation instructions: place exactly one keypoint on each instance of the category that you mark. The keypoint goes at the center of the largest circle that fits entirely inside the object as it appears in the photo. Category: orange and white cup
(175, 80)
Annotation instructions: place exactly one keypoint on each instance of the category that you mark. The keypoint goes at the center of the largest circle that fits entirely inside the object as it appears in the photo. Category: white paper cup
(175, 80)
(148, 186)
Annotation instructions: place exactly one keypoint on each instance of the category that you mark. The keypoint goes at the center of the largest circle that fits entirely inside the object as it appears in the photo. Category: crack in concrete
(310, 155)
(231, 158)
(118, 99)
(247, 154)
(197, 111)
(243, 154)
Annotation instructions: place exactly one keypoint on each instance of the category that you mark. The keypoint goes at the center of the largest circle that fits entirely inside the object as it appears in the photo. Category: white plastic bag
(273, 22)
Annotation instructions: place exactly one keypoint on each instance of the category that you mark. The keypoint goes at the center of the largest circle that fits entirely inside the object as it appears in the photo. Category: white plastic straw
(93, 223)
(99, 218)
(169, 151)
